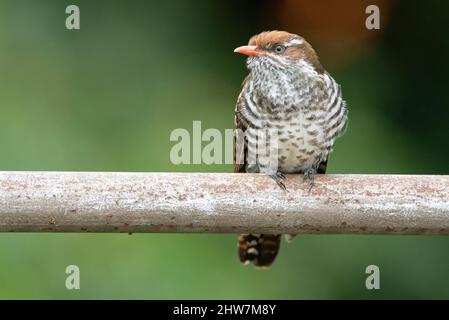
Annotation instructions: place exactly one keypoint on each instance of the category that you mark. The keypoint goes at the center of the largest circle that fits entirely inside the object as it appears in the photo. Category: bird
(287, 90)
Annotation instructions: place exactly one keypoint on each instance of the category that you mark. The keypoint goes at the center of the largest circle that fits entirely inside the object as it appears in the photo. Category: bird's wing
(240, 145)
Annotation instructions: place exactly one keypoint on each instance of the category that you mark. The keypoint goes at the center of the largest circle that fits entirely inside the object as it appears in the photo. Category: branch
(221, 202)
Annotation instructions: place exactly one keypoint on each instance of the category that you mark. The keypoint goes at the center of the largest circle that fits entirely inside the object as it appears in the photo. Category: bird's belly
(299, 148)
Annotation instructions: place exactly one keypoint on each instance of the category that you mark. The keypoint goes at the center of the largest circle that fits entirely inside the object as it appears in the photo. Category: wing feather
(240, 144)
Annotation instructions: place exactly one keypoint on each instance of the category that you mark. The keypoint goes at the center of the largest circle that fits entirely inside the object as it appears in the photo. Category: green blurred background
(106, 97)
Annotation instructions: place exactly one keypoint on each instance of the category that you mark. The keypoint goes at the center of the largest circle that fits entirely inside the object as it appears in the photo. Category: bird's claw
(309, 176)
(279, 177)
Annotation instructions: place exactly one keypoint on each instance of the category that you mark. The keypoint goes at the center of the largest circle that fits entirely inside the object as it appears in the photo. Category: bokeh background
(106, 97)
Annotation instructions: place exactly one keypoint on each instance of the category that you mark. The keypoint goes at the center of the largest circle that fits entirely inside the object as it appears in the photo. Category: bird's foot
(280, 179)
(309, 176)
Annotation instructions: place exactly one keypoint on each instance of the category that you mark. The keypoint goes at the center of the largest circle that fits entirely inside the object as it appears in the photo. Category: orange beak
(248, 50)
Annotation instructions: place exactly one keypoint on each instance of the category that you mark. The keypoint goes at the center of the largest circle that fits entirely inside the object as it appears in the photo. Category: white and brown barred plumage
(288, 90)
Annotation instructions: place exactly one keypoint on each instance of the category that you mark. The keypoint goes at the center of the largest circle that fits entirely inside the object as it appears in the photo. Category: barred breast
(308, 138)
(306, 128)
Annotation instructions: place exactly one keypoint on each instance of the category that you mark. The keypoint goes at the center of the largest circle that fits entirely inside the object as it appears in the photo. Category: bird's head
(279, 50)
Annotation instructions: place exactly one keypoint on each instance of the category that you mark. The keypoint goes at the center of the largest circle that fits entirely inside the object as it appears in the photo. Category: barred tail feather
(260, 249)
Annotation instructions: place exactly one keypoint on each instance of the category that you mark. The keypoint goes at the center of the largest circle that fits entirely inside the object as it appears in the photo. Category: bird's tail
(260, 249)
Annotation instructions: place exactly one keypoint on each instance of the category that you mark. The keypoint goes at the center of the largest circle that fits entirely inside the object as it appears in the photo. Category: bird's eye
(279, 49)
